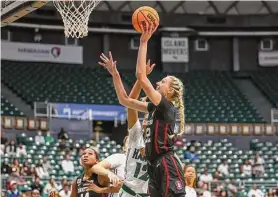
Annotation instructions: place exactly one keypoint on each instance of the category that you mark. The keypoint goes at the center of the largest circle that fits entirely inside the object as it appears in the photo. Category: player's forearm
(120, 90)
(141, 60)
(124, 99)
(99, 170)
(132, 115)
(135, 91)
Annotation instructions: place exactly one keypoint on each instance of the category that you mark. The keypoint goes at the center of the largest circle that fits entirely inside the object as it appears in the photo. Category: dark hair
(195, 180)
(15, 161)
(39, 164)
(96, 153)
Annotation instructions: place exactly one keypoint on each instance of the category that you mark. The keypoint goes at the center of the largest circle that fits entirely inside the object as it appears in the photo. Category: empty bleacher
(8, 109)
(58, 83)
(210, 97)
(267, 81)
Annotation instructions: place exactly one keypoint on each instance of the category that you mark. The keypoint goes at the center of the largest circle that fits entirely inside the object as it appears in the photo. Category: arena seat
(210, 154)
(8, 109)
(58, 83)
(267, 81)
(210, 97)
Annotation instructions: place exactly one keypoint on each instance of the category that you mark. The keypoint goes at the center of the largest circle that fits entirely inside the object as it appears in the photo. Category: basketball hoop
(75, 15)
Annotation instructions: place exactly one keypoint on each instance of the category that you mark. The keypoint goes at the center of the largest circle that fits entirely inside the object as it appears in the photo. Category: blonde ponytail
(177, 85)
(181, 111)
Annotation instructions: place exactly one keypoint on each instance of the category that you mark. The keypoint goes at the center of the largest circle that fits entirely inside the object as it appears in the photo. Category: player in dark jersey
(87, 184)
(164, 168)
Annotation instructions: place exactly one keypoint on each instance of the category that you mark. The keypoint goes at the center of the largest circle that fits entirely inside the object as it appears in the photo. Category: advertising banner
(32, 52)
(174, 50)
(268, 58)
(87, 111)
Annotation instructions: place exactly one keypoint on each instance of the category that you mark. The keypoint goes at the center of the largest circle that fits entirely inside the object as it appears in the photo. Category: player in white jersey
(116, 164)
(136, 179)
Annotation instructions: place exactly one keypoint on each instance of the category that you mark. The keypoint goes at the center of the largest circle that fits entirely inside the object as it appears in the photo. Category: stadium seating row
(210, 154)
(267, 81)
(8, 109)
(209, 96)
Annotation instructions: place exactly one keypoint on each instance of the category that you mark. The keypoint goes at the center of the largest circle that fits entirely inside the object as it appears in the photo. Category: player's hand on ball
(108, 63)
(150, 67)
(147, 32)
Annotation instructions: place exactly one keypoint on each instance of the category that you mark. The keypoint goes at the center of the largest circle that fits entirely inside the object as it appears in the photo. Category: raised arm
(145, 83)
(123, 98)
(102, 169)
(132, 115)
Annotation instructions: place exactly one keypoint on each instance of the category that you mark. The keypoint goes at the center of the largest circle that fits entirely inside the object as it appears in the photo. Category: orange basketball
(143, 15)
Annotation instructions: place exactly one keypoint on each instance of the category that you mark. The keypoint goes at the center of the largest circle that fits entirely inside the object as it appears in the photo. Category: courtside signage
(87, 111)
(31, 52)
(174, 50)
(268, 58)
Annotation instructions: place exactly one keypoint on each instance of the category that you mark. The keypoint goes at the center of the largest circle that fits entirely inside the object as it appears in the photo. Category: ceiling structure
(195, 7)
(188, 13)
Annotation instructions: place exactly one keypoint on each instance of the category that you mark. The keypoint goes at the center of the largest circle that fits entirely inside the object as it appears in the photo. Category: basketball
(143, 15)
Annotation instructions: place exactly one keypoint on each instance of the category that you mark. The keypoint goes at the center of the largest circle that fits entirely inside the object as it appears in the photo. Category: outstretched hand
(149, 67)
(111, 65)
(147, 31)
(108, 63)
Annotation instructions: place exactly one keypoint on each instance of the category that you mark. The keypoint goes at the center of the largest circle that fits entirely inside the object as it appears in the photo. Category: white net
(5, 3)
(75, 15)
